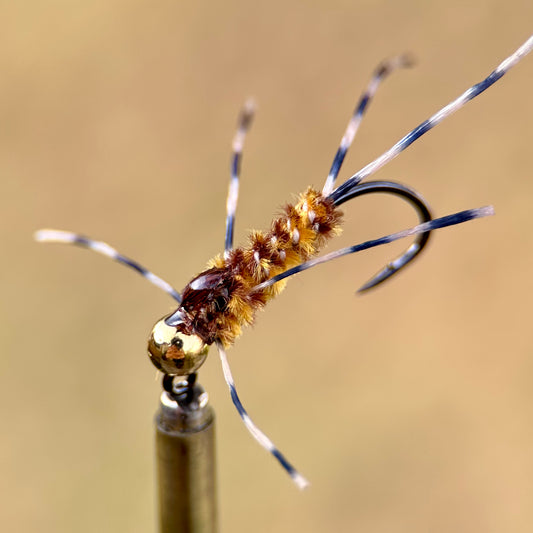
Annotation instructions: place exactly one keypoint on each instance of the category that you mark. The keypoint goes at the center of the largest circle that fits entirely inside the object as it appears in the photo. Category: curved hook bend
(340, 196)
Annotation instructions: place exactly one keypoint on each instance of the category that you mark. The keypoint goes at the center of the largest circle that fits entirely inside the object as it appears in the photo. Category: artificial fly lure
(217, 303)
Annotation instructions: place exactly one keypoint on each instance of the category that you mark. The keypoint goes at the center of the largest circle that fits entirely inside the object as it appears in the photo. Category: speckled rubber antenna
(245, 121)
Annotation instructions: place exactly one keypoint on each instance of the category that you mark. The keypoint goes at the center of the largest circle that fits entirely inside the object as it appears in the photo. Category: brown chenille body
(220, 301)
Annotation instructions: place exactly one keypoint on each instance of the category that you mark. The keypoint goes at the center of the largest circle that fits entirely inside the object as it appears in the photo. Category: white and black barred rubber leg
(257, 434)
(440, 115)
(245, 120)
(381, 72)
(436, 223)
(67, 237)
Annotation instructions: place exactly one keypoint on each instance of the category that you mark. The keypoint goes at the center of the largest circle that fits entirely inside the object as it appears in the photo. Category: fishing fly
(215, 305)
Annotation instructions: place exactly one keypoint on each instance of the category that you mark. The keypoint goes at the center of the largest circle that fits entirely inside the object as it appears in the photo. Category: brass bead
(175, 353)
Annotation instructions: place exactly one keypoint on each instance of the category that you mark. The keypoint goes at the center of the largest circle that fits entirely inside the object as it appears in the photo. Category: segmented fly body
(216, 304)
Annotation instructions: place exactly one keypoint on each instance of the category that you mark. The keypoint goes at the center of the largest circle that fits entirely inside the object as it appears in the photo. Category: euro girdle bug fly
(217, 303)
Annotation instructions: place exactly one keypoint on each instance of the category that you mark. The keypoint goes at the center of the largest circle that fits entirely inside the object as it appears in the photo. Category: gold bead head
(175, 353)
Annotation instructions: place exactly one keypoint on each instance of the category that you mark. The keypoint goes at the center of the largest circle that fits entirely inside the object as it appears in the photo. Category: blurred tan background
(410, 409)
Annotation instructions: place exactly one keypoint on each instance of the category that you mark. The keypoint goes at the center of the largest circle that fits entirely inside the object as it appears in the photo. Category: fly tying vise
(217, 303)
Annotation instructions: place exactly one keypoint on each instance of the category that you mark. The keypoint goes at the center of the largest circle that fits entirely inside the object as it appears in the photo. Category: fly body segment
(215, 305)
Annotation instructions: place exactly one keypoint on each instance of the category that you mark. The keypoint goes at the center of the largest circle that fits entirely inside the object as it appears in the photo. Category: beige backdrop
(409, 409)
